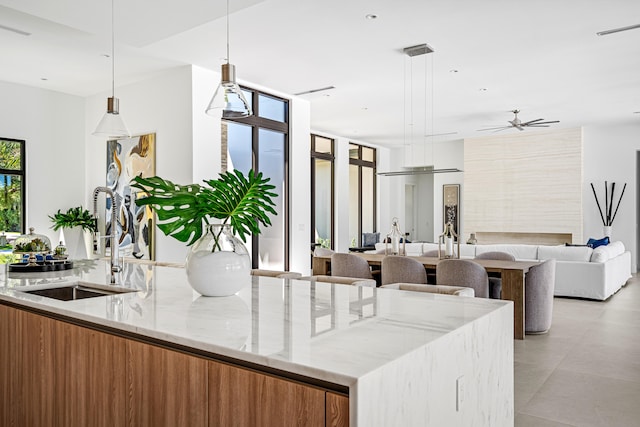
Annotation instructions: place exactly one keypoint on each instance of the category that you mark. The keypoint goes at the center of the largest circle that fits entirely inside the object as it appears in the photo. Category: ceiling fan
(518, 124)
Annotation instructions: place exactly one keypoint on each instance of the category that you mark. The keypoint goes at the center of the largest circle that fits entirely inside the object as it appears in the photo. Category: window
(322, 191)
(362, 192)
(12, 187)
(261, 142)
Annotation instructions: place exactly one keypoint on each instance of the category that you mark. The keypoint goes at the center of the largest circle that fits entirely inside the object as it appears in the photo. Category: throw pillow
(594, 243)
(370, 239)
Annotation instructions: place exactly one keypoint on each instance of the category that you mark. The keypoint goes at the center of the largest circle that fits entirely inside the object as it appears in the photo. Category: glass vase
(218, 264)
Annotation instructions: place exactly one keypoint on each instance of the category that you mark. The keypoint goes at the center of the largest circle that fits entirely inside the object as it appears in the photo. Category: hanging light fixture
(411, 52)
(112, 125)
(228, 96)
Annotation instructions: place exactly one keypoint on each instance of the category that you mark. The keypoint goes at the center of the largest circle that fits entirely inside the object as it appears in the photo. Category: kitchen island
(280, 352)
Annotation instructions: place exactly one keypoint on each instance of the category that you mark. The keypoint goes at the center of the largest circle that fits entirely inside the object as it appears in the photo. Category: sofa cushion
(594, 243)
(520, 252)
(565, 253)
(605, 253)
(370, 239)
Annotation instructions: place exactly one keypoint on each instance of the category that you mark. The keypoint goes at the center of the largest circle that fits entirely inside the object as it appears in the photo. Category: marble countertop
(331, 332)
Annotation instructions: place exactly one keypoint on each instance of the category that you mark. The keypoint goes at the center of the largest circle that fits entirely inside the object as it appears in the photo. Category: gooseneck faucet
(115, 265)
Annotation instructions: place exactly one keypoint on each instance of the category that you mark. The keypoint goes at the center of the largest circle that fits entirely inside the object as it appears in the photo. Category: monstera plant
(184, 210)
(218, 264)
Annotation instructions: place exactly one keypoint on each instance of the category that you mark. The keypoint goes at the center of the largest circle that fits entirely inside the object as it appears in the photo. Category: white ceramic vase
(218, 264)
(78, 243)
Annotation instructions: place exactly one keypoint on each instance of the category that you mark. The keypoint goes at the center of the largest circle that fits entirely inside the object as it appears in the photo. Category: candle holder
(448, 238)
(393, 240)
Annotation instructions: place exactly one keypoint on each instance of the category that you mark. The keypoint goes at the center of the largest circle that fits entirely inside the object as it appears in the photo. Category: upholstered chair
(463, 272)
(318, 251)
(434, 289)
(495, 282)
(349, 265)
(275, 273)
(538, 297)
(401, 269)
(353, 281)
(431, 274)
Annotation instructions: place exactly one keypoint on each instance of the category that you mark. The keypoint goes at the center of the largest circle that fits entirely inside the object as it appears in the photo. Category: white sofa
(581, 271)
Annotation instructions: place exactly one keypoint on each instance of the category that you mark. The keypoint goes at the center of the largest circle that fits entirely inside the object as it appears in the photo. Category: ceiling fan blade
(531, 121)
(545, 123)
(498, 128)
(519, 127)
(538, 126)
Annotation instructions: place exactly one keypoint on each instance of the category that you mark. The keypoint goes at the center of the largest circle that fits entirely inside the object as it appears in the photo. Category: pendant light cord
(228, 60)
(113, 53)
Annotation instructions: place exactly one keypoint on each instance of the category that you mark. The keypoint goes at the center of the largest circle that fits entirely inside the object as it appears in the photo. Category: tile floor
(586, 370)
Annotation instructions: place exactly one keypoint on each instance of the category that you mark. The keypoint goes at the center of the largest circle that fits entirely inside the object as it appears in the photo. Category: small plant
(74, 217)
(183, 210)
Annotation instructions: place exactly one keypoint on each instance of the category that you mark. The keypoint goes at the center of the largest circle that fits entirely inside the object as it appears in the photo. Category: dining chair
(495, 281)
(460, 291)
(349, 265)
(402, 269)
(353, 281)
(463, 272)
(539, 284)
(275, 273)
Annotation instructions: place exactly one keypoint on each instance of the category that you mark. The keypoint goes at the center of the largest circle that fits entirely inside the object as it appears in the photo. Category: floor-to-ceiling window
(261, 142)
(362, 192)
(322, 191)
(12, 186)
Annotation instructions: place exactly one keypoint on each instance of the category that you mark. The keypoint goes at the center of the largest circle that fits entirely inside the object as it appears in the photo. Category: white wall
(162, 105)
(610, 154)
(52, 125)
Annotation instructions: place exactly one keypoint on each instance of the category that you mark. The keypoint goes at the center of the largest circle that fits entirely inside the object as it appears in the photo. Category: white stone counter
(400, 353)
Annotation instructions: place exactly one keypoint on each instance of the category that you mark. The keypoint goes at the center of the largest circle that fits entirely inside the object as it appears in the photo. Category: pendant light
(112, 125)
(228, 96)
(411, 52)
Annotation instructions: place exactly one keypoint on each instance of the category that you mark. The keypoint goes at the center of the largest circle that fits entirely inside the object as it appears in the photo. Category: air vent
(14, 30)
(306, 92)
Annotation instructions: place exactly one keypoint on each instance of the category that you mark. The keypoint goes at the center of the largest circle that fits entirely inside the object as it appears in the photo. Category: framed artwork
(451, 206)
(127, 158)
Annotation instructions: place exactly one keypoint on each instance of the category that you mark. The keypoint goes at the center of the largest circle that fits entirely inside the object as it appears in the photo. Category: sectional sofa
(581, 271)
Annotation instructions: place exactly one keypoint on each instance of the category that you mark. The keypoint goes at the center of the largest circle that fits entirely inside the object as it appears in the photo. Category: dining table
(512, 272)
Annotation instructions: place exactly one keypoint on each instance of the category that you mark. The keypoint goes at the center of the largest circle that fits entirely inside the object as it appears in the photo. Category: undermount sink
(74, 292)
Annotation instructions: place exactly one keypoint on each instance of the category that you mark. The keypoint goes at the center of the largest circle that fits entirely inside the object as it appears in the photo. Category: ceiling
(543, 58)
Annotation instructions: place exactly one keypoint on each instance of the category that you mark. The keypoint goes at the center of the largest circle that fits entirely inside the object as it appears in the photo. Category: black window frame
(256, 122)
(23, 175)
(331, 158)
(361, 163)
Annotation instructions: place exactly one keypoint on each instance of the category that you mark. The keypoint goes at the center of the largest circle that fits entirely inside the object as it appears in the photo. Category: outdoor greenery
(10, 187)
(74, 217)
(184, 210)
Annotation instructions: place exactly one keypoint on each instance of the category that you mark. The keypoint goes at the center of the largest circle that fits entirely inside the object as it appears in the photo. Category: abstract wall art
(127, 158)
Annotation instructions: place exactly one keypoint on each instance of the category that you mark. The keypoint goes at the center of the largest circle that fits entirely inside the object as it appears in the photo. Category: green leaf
(244, 202)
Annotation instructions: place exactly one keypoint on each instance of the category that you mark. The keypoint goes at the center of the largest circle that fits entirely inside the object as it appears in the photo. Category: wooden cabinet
(57, 373)
(337, 410)
(241, 397)
(167, 388)
(60, 374)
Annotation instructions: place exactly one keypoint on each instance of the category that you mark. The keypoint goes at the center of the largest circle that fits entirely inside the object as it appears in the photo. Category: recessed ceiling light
(636, 112)
(44, 79)
(453, 71)
(365, 108)
(105, 55)
(483, 89)
(371, 16)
